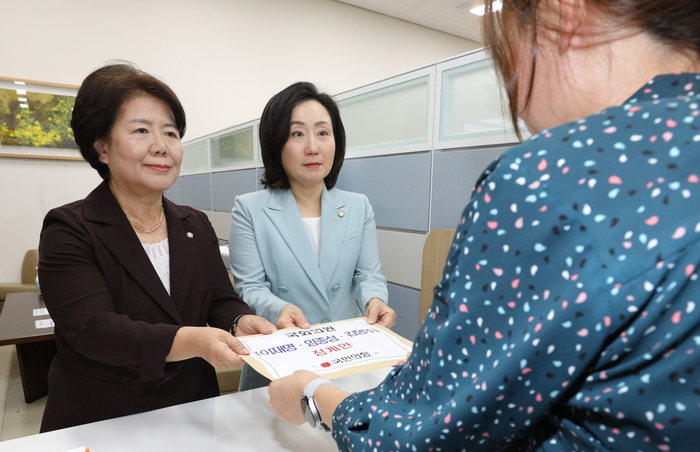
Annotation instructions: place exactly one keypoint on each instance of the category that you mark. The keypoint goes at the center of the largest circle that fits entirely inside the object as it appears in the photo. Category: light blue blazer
(273, 263)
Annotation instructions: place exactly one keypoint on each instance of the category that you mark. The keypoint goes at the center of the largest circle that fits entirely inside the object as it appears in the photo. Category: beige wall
(224, 58)
(28, 189)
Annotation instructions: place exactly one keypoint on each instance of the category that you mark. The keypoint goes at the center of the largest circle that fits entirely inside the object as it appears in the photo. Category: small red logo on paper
(325, 364)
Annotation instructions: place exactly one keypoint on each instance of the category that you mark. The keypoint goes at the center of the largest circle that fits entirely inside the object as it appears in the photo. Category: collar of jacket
(117, 234)
(284, 214)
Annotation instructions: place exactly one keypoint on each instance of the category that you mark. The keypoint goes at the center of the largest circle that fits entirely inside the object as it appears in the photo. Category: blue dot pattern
(566, 318)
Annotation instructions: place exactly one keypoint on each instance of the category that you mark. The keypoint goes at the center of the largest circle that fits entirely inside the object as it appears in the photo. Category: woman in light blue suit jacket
(274, 264)
(303, 252)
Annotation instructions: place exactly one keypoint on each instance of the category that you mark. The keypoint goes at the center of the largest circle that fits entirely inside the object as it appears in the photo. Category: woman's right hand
(253, 324)
(216, 346)
(291, 315)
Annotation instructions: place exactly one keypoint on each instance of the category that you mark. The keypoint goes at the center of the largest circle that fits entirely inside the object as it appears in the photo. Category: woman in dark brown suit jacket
(143, 306)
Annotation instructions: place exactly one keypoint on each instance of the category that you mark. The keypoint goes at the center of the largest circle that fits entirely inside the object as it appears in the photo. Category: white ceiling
(449, 16)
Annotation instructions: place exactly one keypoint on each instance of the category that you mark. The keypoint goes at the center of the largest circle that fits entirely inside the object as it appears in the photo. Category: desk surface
(234, 422)
(18, 322)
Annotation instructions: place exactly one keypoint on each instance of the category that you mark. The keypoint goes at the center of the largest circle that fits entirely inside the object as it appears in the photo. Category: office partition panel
(398, 187)
(406, 303)
(225, 186)
(454, 176)
(472, 107)
(195, 158)
(174, 193)
(233, 149)
(196, 191)
(390, 116)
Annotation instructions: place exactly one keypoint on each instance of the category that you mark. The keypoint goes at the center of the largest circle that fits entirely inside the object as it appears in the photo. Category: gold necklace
(144, 230)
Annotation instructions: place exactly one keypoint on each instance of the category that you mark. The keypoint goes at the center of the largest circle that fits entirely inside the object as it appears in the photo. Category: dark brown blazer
(115, 321)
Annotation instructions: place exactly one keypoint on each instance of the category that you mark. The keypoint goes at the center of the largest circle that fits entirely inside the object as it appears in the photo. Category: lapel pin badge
(341, 214)
(190, 235)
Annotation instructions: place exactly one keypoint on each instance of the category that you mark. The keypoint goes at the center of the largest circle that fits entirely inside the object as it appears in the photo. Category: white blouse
(159, 254)
(313, 230)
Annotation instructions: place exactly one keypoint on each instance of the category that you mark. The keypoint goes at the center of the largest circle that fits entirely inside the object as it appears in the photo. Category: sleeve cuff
(155, 349)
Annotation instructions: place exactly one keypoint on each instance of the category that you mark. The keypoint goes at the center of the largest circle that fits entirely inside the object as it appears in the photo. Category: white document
(40, 312)
(46, 323)
(326, 348)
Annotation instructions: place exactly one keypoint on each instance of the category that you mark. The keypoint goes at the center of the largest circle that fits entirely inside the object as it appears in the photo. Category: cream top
(313, 230)
(159, 254)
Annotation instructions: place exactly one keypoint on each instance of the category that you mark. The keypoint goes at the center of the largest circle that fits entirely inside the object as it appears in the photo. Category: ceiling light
(21, 92)
(24, 105)
(19, 83)
(22, 99)
(497, 5)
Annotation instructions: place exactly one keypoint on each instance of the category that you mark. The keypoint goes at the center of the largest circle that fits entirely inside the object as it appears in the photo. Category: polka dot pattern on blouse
(566, 318)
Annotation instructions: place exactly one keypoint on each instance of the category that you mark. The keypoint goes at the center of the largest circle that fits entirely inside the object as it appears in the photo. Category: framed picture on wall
(35, 120)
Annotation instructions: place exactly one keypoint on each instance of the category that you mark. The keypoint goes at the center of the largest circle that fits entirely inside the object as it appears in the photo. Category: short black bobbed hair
(100, 99)
(274, 132)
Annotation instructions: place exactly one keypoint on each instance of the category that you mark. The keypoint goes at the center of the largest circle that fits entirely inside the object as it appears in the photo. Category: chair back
(435, 251)
(29, 265)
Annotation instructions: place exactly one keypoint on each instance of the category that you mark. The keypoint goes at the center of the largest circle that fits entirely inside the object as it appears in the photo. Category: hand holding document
(334, 350)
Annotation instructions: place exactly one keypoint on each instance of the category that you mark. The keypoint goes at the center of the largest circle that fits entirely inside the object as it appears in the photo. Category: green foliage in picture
(233, 148)
(45, 123)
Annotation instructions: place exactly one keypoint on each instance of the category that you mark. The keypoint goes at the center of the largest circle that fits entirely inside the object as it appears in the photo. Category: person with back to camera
(566, 318)
(303, 252)
(130, 279)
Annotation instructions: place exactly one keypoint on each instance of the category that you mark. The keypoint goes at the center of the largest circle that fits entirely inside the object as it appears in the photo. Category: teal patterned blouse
(567, 317)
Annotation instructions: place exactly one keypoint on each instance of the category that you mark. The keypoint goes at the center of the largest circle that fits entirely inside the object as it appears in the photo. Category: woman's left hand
(285, 395)
(253, 324)
(378, 312)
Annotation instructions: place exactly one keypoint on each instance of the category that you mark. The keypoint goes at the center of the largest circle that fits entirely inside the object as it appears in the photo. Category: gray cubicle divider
(227, 185)
(454, 175)
(174, 193)
(397, 186)
(406, 303)
(196, 191)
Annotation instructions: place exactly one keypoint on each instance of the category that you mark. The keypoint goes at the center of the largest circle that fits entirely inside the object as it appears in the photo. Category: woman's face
(143, 151)
(307, 156)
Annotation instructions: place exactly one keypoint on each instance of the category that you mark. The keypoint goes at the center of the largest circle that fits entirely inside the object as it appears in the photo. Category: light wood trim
(37, 156)
(34, 82)
(435, 251)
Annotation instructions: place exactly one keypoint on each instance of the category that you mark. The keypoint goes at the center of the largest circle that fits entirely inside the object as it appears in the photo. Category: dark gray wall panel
(196, 191)
(454, 176)
(174, 193)
(406, 303)
(398, 187)
(226, 186)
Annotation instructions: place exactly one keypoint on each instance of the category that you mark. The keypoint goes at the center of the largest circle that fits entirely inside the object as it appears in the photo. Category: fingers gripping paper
(334, 350)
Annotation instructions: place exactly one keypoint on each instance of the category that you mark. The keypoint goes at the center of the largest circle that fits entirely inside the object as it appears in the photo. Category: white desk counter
(234, 422)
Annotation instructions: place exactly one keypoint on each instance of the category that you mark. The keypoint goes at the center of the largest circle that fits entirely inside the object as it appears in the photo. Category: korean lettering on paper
(310, 331)
(333, 348)
(277, 350)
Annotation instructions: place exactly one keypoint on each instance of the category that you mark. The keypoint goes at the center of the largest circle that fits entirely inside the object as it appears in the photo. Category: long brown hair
(675, 23)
